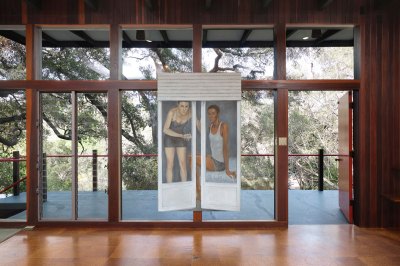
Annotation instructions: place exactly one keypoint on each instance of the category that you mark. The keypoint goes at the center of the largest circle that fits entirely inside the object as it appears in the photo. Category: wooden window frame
(33, 85)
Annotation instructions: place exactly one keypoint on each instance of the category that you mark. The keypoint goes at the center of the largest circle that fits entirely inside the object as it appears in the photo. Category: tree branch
(54, 128)
(9, 119)
(11, 142)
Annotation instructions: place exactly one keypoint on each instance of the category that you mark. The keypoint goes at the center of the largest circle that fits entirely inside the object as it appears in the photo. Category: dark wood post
(94, 170)
(16, 188)
(321, 169)
(44, 177)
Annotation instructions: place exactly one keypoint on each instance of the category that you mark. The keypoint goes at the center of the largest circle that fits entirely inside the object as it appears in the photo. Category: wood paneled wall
(180, 12)
(379, 98)
(379, 143)
(10, 12)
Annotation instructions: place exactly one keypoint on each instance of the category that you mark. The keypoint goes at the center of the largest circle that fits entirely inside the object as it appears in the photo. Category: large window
(246, 51)
(75, 54)
(12, 155)
(73, 177)
(148, 51)
(12, 53)
(319, 53)
(139, 159)
(12, 125)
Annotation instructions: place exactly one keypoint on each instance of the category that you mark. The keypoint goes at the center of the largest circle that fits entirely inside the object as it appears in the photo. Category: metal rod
(16, 188)
(321, 169)
(94, 170)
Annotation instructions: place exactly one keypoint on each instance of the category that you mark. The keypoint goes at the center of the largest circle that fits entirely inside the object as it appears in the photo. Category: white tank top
(216, 143)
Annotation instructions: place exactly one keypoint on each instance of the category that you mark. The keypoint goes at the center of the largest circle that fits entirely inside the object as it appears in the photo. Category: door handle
(337, 159)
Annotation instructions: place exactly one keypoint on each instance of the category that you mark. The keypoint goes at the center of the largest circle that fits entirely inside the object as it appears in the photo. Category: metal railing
(17, 158)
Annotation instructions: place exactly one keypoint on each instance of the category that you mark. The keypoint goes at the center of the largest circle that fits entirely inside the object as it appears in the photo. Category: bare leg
(209, 167)
(209, 163)
(170, 154)
(181, 152)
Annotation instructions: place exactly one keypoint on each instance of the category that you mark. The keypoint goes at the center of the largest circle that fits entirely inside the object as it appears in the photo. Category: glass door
(73, 156)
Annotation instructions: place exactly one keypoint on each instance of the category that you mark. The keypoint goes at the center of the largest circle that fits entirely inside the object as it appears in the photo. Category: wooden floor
(297, 245)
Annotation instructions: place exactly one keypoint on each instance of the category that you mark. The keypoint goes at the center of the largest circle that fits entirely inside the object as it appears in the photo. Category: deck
(305, 207)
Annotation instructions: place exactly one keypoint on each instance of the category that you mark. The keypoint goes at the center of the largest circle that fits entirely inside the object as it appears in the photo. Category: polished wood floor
(297, 245)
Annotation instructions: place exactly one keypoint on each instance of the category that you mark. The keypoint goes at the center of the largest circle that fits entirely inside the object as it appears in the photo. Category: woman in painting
(176, 135)
(218, 136)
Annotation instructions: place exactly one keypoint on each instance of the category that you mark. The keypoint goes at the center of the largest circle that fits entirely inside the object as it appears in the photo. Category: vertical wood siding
(379, 97)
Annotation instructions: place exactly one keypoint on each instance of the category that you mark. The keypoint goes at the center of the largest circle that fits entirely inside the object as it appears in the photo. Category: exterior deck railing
(17, 159)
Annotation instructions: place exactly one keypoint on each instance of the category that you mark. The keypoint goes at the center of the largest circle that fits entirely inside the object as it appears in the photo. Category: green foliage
(59, 172)
(257, 173)
(75, 63)
(12, 60)
(313, 126)
(312, 123)
(257, 132)
(139, 173)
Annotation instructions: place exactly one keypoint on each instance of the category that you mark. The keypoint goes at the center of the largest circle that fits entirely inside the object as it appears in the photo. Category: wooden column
(281, 127)
(114, 127)
(197, 46)
(356, 128)
(33, 72)
(81, 11)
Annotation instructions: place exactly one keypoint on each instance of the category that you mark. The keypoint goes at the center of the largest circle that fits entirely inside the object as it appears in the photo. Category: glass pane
(92, 156)
(12, 154)
(248, 51)
(12, 53)
(252, 63)
(75, 54)
(257, 160)
(320, 63)
(139, 161)
(148, 51)
(56, 170)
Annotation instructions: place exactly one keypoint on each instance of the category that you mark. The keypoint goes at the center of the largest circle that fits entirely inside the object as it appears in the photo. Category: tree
(139, 109)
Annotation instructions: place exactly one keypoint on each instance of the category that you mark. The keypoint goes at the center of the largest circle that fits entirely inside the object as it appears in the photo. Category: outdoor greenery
(312, 115)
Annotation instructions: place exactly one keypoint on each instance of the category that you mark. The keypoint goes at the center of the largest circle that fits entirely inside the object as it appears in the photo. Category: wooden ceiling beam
(326, 35)
(205, 32)
(290, 32)
(14, 36)
(83, 35)
(48, 38)
(324, 3)
(245, 36)
(164, 36)
(126, 38)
